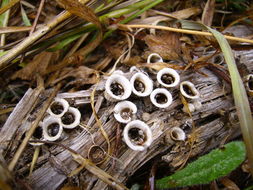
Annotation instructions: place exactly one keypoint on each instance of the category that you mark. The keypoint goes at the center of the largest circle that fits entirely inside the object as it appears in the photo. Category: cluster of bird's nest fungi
(118, 88)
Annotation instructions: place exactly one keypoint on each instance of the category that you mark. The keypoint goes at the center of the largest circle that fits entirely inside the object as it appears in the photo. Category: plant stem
(194, 32)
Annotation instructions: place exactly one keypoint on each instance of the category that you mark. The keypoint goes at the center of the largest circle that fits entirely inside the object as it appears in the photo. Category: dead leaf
(208, 12)
(166, 44)
(229, 184)
(83, 75)
(37, 65)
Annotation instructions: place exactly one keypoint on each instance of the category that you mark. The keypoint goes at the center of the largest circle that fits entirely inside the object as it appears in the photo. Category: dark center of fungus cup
(117, 89)
(188, 90)
(96, 154)
(250, 83)
(57, 108)
(126, 113)
(167, 79)
(38, 133)
(161, 98)
(137, 136)
(217, 59)
(174, 135)
(68, 118)
(154, 59)
(53, 129)
(139, 86)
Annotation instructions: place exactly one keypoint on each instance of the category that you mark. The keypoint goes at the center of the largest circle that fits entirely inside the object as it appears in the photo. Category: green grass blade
(65, 42)
(207, 168)
(25, 17)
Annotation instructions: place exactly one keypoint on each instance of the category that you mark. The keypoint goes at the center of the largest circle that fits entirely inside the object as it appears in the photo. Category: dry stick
(4, 60)
(8, 6)
(4, 24)
(194, 32)
(88, 165)
(37, 17)
(34, 23)
(32, 129)
(14, 29)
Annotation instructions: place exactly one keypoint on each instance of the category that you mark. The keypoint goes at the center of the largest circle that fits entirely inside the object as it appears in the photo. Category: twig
(4, 24)
(32, 129)
(8, 6)
(4, 60)
(42, 2)
(194, 32)
(14, 29)
(85, 163)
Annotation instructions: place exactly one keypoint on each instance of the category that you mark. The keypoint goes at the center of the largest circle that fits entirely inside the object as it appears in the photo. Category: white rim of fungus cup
(120, 107)
(62, 102)
(156, 56)
(123, 82)
(143, 127)
(77, 117)
(165, 93)
(145, 80)
(171, 72)
(46, 123)
(193, 89)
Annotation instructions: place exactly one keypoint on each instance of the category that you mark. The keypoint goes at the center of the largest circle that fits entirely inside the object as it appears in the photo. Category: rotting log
(215, 124)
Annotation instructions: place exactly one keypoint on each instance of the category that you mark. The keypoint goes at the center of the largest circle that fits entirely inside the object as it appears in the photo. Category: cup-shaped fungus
(189, 90)
(175, 134)
(37, 135)
(124, 111)
(218, 59)
(52, 128)
(96, 154)
(137, 135)
(71, 118)
(249, 84)
(117, 87)
(161, 98)
(142, 85)
(58, 107)
(154, 58)
(168, 77)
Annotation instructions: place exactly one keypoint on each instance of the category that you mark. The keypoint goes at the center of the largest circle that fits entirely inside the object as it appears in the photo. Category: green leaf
(4, 17)
(217, 163)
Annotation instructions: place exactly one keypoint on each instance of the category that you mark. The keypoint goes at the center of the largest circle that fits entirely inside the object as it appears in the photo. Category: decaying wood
(19, 114)
(215, 125)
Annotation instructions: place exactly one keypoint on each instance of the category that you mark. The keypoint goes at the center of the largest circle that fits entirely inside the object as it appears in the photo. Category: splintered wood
(212, 126)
